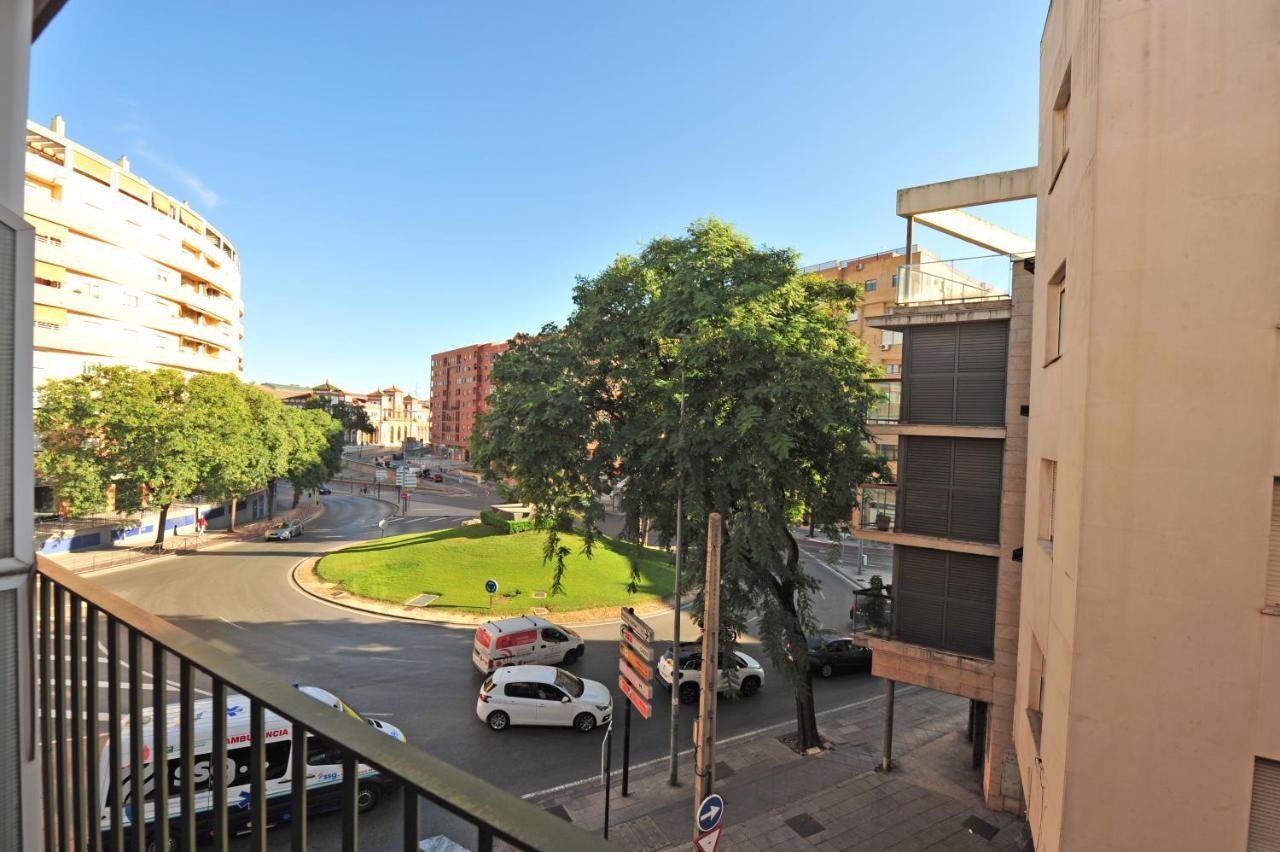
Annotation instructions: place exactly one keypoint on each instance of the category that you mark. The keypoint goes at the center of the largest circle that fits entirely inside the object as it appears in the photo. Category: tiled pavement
(778, 800)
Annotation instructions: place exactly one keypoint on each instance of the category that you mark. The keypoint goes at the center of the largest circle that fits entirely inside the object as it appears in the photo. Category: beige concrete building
(1148, 692)
(124, 273)
(397, 417)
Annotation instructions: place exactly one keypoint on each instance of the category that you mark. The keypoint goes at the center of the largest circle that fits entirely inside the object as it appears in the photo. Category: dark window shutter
(930, 374)
(955, 374)
(1264, 812)
(950, 487)
(945, 600)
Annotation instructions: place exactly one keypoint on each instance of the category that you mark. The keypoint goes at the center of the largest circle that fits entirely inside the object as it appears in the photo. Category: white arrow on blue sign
(709, 812)
(491, 586)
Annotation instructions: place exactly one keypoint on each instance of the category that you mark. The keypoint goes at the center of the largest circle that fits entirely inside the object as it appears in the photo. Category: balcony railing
(87, 636)
(872, 611)
(888, 408)
(879, 507)
(969, 279)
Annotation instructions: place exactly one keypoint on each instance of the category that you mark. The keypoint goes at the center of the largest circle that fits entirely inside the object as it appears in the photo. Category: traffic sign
(637, 624)
(641, 648)
(380, 475)
(641, 685)
(639, 666)
(710, 812)
(637, 701)
(708, 842)
(491, 586)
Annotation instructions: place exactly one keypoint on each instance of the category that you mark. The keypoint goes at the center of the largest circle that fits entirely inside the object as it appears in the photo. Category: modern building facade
(954, 517)
(125, 274)
(1148, 691)
(459, 389)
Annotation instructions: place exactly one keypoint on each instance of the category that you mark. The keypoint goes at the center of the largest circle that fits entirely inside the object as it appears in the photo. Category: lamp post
(674, 779)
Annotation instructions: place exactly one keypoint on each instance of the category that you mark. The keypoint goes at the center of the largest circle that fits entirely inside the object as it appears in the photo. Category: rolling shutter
(945, 600)
(1264, 811)
(981, 358)
(51, 272)
(975, 492)
(134, 187)
(1273, 555)
(161, 203)
(930, 374)
(92, 167)
(950, 487)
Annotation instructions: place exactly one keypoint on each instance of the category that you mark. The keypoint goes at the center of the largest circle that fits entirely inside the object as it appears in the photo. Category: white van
(324, 767)
(523, 640)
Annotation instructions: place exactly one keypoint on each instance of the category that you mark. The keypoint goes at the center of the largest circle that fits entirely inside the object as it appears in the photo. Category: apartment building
(125, 274)
(1148, 689)
(954, 517)
(459, 388)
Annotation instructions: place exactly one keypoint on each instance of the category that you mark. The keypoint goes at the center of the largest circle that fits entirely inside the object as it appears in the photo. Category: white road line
(832, 570)
(666, 757)
(232, 623)
(823, 594)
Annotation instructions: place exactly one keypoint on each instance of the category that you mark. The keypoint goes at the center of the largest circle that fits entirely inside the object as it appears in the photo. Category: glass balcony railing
(879, 507)
(872, 611)
(968, 279)
(888, 408)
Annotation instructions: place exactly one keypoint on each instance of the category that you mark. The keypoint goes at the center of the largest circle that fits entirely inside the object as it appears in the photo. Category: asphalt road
(419, 676)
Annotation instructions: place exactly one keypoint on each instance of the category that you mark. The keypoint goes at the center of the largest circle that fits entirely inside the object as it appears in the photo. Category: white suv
(742, 674)
(542, 695)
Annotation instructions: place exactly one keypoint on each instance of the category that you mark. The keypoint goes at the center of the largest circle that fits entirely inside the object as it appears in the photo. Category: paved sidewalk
(778, 800)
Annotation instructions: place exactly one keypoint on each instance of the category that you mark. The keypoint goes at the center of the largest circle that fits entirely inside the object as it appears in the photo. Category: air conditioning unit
(859, 266)
(886, 346)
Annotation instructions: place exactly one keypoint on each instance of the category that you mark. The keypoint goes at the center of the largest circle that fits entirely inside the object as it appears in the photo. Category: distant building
(396, 416)
(124, 274)
(459, 390)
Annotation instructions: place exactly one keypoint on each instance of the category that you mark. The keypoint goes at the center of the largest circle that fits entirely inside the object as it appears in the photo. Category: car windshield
(278, 525)
(570, 683)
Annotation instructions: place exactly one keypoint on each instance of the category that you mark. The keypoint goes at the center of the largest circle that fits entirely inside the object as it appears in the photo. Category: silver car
(284, 530)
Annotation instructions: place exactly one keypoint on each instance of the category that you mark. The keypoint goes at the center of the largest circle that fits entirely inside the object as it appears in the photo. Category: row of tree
(155, 437)
(709, 373)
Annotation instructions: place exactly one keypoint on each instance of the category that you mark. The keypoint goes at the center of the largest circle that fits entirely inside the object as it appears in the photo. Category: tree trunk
(806, 714)
(164, 517)
(297, 494)
(231, 514)
(271, 498)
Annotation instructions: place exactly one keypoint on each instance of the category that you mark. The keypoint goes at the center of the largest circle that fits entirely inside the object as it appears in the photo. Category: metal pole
(608, 766)
(626, 749)
(886, 763)
(704, 780)
(674, 771)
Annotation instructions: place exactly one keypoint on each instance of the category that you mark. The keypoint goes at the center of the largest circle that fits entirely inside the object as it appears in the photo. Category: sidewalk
(778, 800)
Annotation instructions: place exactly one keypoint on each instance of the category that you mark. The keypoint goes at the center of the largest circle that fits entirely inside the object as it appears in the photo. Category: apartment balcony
(985, 278)
(872, 614)
(88, 743)
(878, 508)
(888, 409)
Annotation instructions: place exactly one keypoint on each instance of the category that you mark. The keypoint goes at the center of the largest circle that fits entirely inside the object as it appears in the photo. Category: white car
(543, 695)
(284, 530)
(743, 674)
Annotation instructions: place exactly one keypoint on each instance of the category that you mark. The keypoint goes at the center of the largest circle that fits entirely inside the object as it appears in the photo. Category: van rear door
(481, 655)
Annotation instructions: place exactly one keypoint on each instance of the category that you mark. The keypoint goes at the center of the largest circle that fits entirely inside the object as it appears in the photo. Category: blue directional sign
(491, 586)
(709, 812)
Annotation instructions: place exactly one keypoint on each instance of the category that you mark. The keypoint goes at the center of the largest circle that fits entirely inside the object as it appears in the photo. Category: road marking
(823, 594)
(832, 570)
(594, 779)
(363, 713)
(232, 623)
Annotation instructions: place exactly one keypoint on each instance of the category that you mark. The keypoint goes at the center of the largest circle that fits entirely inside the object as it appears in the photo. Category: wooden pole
(706, 761)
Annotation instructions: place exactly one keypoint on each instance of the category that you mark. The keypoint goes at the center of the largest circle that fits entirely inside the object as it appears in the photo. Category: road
(419, 676)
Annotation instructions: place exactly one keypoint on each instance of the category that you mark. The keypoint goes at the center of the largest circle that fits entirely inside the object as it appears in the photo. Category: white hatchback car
(742, 674)
(542, 695)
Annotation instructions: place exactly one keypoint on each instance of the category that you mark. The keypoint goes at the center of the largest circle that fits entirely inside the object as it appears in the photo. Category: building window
(1061, 126)
(1048, 499)
(871, 285)
(1035, 691)
(893, 369)
(1273, 555)
(1264, 808)
(1056, 308)
(893, 282)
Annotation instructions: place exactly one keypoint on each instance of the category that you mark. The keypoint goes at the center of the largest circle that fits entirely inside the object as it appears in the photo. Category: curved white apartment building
(125, 274)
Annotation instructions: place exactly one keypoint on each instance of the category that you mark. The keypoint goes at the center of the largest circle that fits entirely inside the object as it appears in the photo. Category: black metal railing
(179, 799)
(872, 611)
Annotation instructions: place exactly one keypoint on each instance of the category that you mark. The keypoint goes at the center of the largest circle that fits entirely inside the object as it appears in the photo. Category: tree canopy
(775, 393)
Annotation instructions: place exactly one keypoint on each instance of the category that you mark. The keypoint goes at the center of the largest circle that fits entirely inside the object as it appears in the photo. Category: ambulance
(324, 768)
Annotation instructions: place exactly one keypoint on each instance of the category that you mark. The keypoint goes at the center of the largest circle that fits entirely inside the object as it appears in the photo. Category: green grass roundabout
(454, 564)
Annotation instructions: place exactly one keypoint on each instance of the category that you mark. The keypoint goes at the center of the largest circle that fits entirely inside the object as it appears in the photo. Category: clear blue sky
(405, 177)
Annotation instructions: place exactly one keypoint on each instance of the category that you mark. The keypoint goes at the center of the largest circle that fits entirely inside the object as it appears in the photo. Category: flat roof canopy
(938, 206)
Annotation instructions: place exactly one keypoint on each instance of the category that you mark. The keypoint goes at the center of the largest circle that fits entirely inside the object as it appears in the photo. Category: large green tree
(775, 395)
(117, 426)
(354, 418)
(317, 449)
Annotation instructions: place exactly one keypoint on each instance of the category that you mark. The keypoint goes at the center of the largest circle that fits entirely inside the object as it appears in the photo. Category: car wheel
(826, 670)
(749, 687)
(498, 720)
(368, 797)
(585, 722)
(688, 693)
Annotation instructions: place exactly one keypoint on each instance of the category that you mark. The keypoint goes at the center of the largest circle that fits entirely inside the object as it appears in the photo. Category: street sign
(491, 586)
(639, 666)
(641, 685)
(637, 624)
(380, 475)
(642, 649)
(710, 812)
(633, 695)
(404, 495)
(708, 842)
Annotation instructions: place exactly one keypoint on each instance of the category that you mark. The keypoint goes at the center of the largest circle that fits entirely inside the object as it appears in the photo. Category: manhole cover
(804, 825)
(981, 827)
(339, 594)
(723, 770)
(539, 610)
(421, 600)
(539, 595)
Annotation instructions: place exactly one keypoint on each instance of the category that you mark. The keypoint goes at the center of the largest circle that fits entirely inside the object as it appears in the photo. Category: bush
(493, 519)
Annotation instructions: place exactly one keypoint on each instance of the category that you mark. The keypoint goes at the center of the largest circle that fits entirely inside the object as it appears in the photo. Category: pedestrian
(201, 523)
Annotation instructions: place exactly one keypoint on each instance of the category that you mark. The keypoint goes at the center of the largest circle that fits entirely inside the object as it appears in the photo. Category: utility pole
(706, 725)
(674, 778)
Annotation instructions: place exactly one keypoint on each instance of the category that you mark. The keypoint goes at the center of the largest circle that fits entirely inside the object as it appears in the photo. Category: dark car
(324, 489)
(830, 655)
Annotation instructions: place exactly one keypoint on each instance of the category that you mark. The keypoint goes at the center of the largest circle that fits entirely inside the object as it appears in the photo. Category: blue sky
(427, 175)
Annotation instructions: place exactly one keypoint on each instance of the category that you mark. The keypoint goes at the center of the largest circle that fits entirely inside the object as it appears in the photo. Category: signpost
(710, 812)
(491, 586)
(635, 676)
(704, 771)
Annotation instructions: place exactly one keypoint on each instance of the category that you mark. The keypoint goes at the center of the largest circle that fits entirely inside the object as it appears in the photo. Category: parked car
(738, 673)
(830, 654)
(524, 639)
(437, 477)
(542, 695)
(284, 530)
(323, 490)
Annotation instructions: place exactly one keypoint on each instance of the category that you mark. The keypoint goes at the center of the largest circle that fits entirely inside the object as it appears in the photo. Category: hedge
(493, 519)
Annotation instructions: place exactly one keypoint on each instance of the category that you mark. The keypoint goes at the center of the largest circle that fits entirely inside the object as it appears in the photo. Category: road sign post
(606, 765)
(491, 586)
(704, 771)
(635, 674)
(706, 833)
